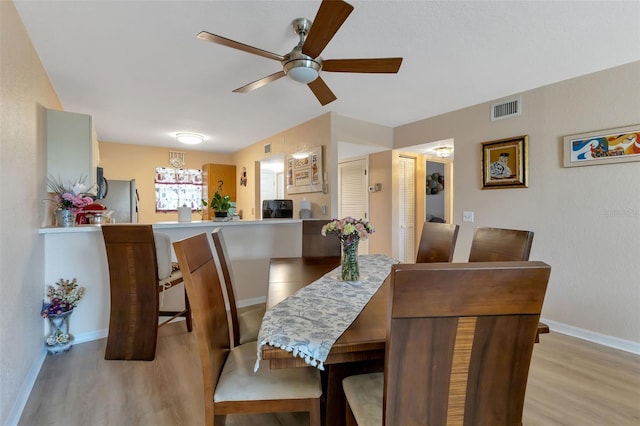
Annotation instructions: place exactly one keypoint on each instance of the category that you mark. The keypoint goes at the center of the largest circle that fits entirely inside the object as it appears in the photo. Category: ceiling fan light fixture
(302, 70)
(189, 138)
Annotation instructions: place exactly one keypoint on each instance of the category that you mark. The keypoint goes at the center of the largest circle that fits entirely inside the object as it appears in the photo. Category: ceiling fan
(303, 64)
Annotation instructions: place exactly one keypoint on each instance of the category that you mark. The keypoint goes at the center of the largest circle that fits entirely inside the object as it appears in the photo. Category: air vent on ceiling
(267, 148)
(506, 108)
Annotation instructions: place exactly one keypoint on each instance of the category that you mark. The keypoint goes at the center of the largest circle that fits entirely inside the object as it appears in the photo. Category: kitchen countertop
(169, 225)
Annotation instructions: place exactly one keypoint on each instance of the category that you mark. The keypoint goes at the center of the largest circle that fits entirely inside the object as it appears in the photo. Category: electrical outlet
(467, 216)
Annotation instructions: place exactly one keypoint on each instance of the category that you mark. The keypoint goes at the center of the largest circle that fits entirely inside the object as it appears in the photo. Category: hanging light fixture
(189, 138)
(443, 151)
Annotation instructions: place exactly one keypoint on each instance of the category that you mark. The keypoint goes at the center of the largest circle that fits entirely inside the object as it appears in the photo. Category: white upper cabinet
(72, 147)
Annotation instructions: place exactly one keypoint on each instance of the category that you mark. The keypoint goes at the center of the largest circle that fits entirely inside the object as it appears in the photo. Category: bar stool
(135, 287)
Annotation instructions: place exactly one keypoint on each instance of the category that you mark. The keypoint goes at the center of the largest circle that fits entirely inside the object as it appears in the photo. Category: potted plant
(220, 204)
(69, 199)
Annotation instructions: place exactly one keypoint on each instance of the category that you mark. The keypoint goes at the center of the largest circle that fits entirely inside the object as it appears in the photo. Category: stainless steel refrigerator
(121, 196)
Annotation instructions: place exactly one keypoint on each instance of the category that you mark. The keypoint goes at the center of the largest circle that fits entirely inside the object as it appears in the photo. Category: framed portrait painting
(619, 145)
(504, 163)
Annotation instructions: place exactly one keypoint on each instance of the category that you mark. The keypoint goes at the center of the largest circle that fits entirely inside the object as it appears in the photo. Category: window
(178, 187)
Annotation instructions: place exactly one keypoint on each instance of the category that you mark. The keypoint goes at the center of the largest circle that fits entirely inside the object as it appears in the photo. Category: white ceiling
(139, 70)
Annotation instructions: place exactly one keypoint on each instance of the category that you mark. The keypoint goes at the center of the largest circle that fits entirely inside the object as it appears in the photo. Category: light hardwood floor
(571, 382)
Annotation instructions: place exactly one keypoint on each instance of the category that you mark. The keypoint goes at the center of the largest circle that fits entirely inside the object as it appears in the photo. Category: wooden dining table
(359, 350)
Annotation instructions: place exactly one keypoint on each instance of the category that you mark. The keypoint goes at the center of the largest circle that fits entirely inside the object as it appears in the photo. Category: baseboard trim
(592, 336)
(249, 302)
(90, 336)
(27, 387)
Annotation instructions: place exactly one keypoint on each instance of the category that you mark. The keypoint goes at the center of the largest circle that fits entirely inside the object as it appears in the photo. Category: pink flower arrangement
(348, 229)
(72, 197)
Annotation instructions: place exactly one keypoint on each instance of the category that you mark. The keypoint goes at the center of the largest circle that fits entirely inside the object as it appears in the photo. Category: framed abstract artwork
(305, 174)
(504, 163)
(618, 145)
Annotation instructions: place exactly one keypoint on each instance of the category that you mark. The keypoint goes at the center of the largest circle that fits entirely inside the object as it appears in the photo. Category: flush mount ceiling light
(443, 151)
(301, 153)
(189, 138)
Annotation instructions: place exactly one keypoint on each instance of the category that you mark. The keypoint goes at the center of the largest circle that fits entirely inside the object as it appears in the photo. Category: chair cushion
(364, 395)
(250, 322)
(238, 382)
(163, 254)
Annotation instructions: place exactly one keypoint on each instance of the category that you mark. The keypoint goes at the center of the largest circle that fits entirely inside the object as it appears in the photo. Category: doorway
(407, 209)
(439, 190)
(353, 198)
(271, 179)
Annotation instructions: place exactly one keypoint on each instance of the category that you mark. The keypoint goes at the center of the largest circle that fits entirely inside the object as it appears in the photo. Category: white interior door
(279, 186)
(406, 209)
(354, 197)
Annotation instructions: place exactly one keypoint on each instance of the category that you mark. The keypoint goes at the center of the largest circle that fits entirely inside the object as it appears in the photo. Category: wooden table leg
(334, 412)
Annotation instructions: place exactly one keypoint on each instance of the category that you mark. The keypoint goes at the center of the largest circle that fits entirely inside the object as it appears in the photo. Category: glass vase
(350, 270)
(59, 339)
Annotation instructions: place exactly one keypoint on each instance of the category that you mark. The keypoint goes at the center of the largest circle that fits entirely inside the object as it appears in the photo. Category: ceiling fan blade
(203, 35)
(376, 65)
(259, 83)
(330, 17)
(322, 91)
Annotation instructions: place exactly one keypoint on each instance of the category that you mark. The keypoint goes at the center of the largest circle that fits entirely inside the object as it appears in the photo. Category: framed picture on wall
(305, 174)
(619, 145)
(504, 163)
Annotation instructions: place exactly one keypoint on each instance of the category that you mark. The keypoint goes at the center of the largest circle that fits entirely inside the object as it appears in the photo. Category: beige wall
(380, 207)
(124, 161)
(312, 133)
(25, 92)
(586, 219)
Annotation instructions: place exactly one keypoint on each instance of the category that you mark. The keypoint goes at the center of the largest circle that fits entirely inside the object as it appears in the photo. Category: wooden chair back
(459, 341)
(314, 244)
(437, 242)
(223, 259)
(500, 245)
(208, 309)
(133, 278)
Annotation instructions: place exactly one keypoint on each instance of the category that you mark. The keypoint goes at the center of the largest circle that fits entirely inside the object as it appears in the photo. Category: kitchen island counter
(171, 225)
(78, 252)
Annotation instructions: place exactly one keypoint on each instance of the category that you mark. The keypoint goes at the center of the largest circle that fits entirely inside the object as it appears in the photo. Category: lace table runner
(309, 321)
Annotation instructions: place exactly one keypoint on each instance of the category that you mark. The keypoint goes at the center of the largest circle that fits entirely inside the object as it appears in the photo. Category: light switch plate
(467, 216)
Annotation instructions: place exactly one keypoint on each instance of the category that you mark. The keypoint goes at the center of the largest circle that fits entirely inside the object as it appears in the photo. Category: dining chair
(230, 384)
(502, 245)
(498, 245)
(314, 244)
(459, 342)
(437, 242)
(137, 258)
(244, 326)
